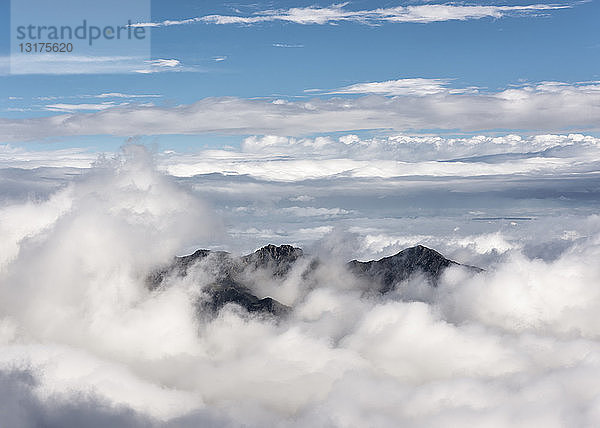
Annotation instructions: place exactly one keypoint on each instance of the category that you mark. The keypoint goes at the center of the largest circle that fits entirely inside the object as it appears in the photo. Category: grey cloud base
(545, 107)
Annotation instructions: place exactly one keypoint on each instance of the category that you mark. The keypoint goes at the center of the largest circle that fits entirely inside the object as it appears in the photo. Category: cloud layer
(289, 159)
(81, 338)
(274, 158)
(544, 107)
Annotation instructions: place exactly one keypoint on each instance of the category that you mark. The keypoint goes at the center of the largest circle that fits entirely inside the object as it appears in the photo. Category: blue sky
(556, 41)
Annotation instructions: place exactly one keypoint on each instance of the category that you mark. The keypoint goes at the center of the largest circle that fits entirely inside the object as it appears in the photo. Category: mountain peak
(391, 270)
(278, 258)
(279, 252)
(419, 249)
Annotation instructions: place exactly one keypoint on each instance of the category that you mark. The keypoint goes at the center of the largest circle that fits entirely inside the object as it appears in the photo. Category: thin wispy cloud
(287, 45)
(54, 64)
(100, 96)
(416, 86)
(122, 95)
(167, 23)
(160, 65)
(83, 103)
(338, 13)
(64, 107)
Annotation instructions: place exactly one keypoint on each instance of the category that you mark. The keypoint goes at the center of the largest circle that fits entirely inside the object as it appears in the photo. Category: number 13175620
(45, 47)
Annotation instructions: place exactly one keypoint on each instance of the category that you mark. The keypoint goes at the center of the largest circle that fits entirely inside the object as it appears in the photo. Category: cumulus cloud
(389, 189)
(545, 107)
(293, 159)
(338, 13)
(411, 148)
(18, 157)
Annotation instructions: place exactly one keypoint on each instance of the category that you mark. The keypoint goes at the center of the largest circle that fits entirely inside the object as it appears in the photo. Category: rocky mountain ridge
(230, 283)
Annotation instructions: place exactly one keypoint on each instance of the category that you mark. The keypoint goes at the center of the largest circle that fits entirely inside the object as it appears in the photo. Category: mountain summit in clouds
(233, 275)
(279, 259)
(390, 271)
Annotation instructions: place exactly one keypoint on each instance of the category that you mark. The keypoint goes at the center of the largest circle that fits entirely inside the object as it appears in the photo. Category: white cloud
(165, 62)
(161, 65)
(486, 160)
(287, 45)
(291, 159)
(91, 64)
(19, 109)
(338, 13)
(101, 96)
(81, 338)
(416, 87)
(540, 108)
(518, 345)
(314, 211)
(72, 64)
(409, 148)
(87, 106)
(63, 107)
(166, 23)
(122, 95)
(17, 157)
(302, 198)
